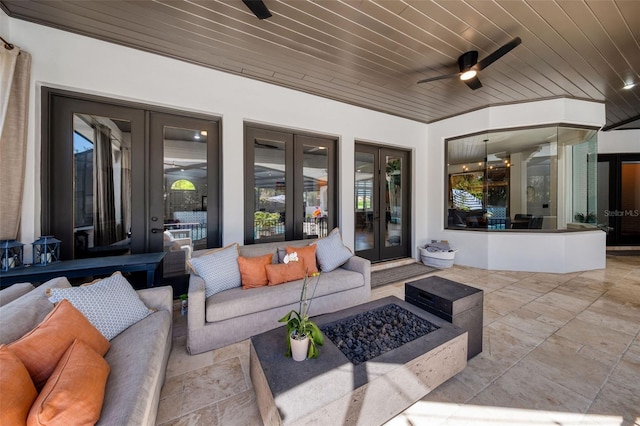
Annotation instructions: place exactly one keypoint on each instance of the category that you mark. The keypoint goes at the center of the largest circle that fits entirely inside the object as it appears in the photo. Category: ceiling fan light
(628, 86)
(468, 75)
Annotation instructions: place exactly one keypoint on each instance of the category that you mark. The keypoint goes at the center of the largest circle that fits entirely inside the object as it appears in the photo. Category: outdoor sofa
(137, 357)
(236, 314)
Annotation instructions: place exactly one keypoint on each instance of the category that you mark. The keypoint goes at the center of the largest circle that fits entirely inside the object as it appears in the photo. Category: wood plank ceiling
(372, 53)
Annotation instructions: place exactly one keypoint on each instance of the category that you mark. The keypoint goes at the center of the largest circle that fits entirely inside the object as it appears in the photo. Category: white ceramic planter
(299, 348)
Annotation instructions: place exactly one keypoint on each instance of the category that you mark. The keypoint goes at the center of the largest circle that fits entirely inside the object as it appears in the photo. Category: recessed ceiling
(372, 53)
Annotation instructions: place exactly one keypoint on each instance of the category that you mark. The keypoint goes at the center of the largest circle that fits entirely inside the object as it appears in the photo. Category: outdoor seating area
(558, 348)
(554, 346)
(310, 213)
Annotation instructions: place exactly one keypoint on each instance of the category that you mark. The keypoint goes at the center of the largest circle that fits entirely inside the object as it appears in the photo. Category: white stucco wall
(619, 141)
(4, 26)
(72, 62)
(540, 252)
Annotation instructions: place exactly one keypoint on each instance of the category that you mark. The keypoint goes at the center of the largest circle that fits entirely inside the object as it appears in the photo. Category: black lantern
(46, 250)
(10, 254)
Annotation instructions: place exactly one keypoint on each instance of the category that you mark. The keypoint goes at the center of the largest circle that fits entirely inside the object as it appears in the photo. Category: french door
(93, 194)
(116, 175)
(183, 186)
(382, 205)
(619, 198)
(289, 185)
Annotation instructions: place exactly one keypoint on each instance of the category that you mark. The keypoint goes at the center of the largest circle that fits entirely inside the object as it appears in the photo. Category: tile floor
(559, 349)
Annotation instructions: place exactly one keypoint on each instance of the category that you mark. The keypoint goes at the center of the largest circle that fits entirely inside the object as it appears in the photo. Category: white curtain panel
(8, 59)
(15, 69)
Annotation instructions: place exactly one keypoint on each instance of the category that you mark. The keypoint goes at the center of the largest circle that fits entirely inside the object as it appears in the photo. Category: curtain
(15, 69)
(104, 205)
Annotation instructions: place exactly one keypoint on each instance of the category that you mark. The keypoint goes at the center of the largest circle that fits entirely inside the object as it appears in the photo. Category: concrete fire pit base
(331, 390)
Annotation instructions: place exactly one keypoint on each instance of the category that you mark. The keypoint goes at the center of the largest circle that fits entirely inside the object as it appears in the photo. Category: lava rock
(370, 334)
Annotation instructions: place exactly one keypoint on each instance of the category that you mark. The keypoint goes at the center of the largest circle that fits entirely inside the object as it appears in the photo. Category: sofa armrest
(183, 241)
(361, 265)
(11, 293)
(160, 298)
(196, 311)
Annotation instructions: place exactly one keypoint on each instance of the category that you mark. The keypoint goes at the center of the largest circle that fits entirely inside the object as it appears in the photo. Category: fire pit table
(334, 390)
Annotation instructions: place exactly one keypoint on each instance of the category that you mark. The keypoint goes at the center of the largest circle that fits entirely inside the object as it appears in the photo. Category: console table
(78, 268)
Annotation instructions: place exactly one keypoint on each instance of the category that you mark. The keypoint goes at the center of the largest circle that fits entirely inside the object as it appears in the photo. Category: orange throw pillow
(284, 272)
(40, 349)
(17, 391)
(75, 391)
(252, 270)
(308, 253)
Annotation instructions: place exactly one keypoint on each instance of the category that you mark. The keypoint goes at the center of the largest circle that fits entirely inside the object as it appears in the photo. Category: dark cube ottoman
(457, 303)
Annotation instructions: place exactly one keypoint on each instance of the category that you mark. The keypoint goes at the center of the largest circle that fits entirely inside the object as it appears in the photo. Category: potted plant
(303, 335)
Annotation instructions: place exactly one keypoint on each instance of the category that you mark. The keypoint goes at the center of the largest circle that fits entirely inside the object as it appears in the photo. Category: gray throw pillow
(282, 252)
(110, 304)
(219, 269)
(331, 253)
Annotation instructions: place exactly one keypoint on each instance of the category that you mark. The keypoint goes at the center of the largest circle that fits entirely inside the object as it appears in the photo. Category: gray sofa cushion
(137, 358)
(22, 315)
(234, 302)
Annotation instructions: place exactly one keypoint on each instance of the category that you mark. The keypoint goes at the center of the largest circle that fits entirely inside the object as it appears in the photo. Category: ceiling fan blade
(258, 8)
(473, 83)
(439, 77)
(498, 54)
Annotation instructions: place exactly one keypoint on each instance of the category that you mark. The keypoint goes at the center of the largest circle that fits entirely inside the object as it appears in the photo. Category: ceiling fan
(469, 65)
(258, 8)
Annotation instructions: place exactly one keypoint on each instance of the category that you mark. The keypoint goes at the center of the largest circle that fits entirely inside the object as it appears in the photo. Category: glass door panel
(269, 190)
(315, 166)
(185, 185)
(629, 212)
(102, 185)
(184, 202)
(618, 198)
(93, 161)
(394, 204)
(364, 202)
(393, 201)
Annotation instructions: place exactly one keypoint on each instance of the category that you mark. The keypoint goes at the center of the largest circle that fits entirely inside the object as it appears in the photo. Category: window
(534, 178)
(183, 185)
(290, 185)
